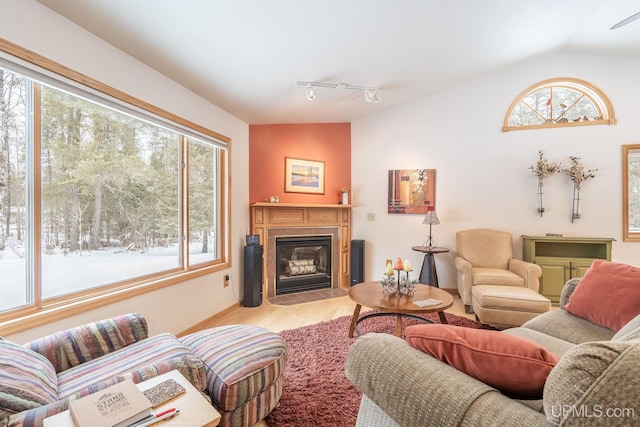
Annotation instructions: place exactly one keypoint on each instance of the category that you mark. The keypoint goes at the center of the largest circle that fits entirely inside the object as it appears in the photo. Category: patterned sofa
(595, 382)
(238, 368)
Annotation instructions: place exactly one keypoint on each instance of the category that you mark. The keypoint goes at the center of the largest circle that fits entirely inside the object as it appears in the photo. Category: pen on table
(151, 417)
(159, 414)
(159, 417)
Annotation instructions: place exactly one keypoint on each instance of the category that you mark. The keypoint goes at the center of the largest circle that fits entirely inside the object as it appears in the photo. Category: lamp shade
(431, 218)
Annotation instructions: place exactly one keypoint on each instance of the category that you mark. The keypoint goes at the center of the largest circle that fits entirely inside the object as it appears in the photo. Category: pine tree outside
(108, 209)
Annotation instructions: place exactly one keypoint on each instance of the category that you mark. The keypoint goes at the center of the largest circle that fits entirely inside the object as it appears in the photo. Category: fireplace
(292, 236)
(303, 263)
(275, 221)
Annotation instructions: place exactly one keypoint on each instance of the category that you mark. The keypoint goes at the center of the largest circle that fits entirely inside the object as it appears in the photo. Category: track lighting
(371, 94)
(311, 94)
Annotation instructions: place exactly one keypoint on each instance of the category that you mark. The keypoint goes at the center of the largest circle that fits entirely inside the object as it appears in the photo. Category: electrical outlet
(371, 216)
(227, 279)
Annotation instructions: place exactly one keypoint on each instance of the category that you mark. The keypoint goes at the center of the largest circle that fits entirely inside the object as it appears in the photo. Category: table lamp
(432, 219)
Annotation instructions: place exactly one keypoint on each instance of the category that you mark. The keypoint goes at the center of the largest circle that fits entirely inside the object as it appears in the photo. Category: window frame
(627, 236)
(40, 313)
(597, 96)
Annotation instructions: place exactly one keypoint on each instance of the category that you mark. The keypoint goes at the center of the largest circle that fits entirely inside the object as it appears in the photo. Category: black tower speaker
(252, 275)
(357, 262)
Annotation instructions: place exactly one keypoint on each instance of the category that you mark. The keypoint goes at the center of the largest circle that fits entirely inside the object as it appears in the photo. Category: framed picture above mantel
(303, 176)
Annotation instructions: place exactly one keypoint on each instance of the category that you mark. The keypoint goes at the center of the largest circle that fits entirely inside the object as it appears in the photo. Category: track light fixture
(371, 94)
(311, 93)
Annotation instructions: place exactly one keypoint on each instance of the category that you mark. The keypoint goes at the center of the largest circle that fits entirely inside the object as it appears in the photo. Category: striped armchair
(40, 378)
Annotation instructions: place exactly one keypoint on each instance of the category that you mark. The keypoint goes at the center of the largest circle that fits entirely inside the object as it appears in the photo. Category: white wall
(175, 308)
(482, 174)
(482, 177)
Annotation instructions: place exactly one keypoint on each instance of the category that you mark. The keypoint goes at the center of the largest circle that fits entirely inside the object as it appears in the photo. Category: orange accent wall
(270, 144)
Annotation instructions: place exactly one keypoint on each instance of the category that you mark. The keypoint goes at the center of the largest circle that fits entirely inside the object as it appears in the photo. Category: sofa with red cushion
(556, 369)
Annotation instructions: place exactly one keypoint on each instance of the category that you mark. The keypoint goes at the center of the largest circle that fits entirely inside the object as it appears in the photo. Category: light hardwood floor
(278, 317)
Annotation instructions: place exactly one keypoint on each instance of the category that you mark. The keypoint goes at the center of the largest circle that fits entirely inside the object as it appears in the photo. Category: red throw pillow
(607, 295)
(514, 365)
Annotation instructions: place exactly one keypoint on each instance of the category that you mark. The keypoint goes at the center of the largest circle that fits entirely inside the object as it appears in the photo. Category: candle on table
(389, 271)
(398, 265)
(407, 265)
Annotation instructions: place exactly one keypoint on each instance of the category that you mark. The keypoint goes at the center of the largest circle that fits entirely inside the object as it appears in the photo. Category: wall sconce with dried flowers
(541, 169)
(578, 175)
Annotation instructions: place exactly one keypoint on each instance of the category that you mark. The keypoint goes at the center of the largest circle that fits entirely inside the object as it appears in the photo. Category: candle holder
(397, 285)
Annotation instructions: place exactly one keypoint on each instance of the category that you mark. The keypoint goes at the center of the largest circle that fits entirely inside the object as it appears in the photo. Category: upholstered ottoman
(507, 306)
(244, 367)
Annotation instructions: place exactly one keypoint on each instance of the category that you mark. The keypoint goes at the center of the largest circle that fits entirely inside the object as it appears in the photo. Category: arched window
(559, 102)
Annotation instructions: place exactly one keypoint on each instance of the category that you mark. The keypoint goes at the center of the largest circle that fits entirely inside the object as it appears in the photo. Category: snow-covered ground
(63, 274)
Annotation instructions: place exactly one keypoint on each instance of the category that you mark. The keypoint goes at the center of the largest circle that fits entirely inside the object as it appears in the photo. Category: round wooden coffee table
(370, 294)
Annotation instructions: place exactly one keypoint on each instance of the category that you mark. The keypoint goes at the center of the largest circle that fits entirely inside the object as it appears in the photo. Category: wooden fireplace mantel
(269, 219)
(300, 205)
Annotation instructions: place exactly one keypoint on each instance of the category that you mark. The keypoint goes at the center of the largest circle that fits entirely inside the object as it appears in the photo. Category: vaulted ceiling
(246, 55)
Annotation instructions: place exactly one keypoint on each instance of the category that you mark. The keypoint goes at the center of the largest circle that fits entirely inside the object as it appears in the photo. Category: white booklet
(427, 302)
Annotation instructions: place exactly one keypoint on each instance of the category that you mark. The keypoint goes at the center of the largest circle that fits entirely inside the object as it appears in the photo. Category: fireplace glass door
(303, 263)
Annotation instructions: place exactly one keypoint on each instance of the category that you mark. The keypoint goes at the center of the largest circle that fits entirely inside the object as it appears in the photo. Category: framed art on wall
(303, 176)
(411, 191)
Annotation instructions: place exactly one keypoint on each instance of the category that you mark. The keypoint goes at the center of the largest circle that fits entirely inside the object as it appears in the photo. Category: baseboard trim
(209, 320)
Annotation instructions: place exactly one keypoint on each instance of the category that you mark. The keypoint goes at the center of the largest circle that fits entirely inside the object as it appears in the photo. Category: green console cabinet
(563, 258)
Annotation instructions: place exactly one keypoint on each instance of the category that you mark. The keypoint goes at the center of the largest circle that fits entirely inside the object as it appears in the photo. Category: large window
(98, 197)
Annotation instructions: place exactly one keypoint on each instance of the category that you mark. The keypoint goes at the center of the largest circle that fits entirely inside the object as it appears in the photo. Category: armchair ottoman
(244, 367)
(501, 290)
(507, 306)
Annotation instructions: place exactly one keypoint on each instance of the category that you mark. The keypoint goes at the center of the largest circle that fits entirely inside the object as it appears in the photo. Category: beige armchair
(485, 258)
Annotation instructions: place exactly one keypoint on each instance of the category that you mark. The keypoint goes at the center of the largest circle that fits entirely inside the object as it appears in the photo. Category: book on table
(163, 392)
(120, 405)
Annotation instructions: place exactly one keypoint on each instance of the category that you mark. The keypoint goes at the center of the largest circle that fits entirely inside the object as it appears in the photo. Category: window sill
(560, 125)
(30, 318)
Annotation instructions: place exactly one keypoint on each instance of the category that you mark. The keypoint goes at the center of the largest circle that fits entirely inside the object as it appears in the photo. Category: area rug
(316, 390)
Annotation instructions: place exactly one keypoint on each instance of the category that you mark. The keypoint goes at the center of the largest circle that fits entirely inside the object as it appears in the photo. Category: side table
(428, 274)
(195, 411)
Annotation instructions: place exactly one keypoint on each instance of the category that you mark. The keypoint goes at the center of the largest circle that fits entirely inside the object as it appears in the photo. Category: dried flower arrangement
(544, 167)
(578, 175)
(576, 172)
(344, 195)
